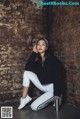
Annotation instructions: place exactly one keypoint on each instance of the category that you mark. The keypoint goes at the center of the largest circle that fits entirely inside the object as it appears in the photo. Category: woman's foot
(24, 101)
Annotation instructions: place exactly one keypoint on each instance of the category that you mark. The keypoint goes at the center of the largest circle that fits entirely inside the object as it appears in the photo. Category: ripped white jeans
(46, 97)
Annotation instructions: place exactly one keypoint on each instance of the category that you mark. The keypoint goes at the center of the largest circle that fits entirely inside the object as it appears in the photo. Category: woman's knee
(34, 107)
(25, 73)
(29, 74)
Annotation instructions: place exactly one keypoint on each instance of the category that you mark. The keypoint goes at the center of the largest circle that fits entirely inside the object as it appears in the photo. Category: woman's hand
(35, 49)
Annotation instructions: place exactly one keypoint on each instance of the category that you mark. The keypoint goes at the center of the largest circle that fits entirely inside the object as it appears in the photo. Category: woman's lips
(40, 49)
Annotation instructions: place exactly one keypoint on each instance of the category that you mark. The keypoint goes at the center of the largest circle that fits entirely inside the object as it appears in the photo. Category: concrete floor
(66, 112)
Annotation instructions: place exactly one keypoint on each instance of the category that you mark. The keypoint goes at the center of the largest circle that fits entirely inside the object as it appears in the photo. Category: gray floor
(66, 112)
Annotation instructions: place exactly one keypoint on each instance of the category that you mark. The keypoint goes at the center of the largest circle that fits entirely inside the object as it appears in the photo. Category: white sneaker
(24, 101)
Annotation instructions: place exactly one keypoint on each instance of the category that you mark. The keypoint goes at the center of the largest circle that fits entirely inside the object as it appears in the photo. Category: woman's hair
(44, 39)
(48, 51)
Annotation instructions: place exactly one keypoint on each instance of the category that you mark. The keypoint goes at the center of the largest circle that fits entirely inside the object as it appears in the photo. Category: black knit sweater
(48, 72)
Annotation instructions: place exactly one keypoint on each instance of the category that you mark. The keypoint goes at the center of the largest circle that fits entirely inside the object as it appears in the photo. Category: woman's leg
(30, 76)
(44, 99)
(27, 77)
(25, 91)
(26, 83)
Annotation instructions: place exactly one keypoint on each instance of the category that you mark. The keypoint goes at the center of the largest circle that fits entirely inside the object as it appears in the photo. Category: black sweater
(48, 72)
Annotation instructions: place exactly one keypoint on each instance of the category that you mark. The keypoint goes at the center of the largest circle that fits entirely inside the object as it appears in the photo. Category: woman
(44, 71)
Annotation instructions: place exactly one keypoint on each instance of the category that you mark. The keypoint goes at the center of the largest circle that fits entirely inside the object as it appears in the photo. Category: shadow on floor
(66, 112)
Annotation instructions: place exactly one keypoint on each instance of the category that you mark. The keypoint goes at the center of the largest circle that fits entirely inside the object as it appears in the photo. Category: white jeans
(45, 98)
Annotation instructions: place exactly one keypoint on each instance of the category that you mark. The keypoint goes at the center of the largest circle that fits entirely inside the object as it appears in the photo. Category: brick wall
(65, 39)
(21, 22)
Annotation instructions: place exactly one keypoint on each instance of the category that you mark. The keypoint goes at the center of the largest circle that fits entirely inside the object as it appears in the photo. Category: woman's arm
(58, 78)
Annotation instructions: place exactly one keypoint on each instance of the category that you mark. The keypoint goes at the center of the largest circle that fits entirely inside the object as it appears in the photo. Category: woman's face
(41, 46)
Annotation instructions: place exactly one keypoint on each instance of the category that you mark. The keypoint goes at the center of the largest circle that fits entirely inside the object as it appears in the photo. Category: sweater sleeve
(31, 61)
(57, 89)
(58, 81)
